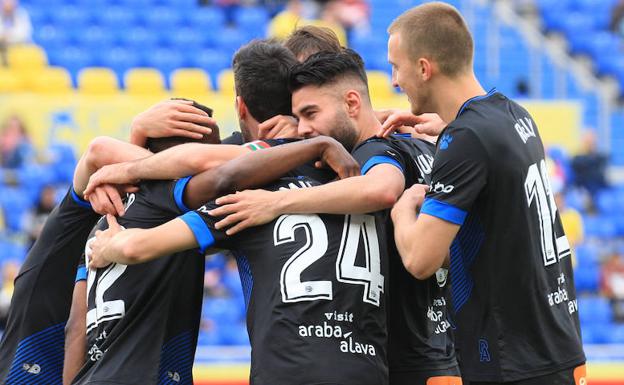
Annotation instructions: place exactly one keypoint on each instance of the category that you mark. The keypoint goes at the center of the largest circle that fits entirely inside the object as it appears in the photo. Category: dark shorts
(571, 376)
(427, 377)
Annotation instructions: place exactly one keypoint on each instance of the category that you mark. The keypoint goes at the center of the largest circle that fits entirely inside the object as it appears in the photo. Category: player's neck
(453, 93)
(369, 125)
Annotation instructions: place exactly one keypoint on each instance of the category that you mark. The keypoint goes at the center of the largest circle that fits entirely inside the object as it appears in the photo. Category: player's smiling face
(321, 111)
(405, 74)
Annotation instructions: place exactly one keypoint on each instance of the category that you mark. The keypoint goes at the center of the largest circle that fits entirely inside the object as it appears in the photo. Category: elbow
(131, 254)
(420, 268)
(383, 198)
(98, 152)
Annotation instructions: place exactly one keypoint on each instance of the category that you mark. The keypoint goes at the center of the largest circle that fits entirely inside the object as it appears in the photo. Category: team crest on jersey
(31, 368)
(441, 277)
(445, 141)
(174, 376)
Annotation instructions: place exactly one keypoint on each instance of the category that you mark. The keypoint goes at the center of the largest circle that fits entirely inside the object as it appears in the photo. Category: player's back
(42, 296)
(513, 290)
(142, 320)
(316, 289)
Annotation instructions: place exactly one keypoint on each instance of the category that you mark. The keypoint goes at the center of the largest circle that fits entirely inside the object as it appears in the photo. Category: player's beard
(344, 131)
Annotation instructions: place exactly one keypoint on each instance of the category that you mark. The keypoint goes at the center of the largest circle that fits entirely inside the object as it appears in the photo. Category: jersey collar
(479, 97)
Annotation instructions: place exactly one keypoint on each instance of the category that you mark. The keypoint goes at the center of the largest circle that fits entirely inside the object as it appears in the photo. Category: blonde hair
(436, 31)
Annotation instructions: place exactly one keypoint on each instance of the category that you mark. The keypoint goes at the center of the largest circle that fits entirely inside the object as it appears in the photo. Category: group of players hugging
(374, 247)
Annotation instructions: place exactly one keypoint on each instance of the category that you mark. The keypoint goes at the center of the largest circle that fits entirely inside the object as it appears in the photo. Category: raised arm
(261, 167)
(176, 162)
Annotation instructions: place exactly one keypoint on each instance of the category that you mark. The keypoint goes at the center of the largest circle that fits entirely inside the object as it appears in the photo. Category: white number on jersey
(315, 247)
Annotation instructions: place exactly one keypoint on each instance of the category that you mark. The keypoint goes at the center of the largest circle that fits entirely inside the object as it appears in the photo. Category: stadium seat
(27, 58)
(139, 38)
(52, 80)
(190, 82)
(207, 19)
(10, 81)
(252, 20)
(95, 38)
(98, 81)
(119, 60)
(70, 15)
(595, 310)
(72, 58)
(164, 59)
(380, 84)
(212, 61)
(161, 18)
(50, 37)
(231, 40)
(586, 279)
(116, 17)
(226, 83)
(144, 81)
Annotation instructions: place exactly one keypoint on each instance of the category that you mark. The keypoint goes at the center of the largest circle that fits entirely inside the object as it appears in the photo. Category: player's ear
(241, 108)
(425, 68)
(353, 101)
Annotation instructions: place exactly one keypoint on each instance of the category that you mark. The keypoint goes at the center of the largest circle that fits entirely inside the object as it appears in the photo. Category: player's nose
(305, 130)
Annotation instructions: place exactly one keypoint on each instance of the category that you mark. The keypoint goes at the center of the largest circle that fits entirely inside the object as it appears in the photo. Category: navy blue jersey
(143, 320)
(418, 325)
(315, 288)
(32, 347)
(513, 293)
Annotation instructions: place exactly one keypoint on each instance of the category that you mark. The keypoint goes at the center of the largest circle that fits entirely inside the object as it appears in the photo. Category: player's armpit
(133, 246)
(75, 333)
(423, 242)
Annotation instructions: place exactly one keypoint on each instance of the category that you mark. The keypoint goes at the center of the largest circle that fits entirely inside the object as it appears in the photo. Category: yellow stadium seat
(226, 83)
(98, 81)
(10, 81)
(52, 80)
(379, 84)
(144, 81)
(27, 57)
(189, 82)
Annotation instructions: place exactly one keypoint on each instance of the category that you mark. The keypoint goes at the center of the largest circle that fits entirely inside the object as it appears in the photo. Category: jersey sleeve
(202, 225)
(377, 151)
(458, 176)
(81, 273)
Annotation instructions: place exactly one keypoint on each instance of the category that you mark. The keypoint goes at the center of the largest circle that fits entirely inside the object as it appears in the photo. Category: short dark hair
(160, 144)
(327, 67)
(261, 70)
(311, 39)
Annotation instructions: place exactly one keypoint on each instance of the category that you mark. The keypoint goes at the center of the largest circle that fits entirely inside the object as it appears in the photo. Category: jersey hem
(426, 369)
(518, 376)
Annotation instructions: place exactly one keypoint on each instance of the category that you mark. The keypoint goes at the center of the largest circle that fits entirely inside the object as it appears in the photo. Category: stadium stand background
(93, 64)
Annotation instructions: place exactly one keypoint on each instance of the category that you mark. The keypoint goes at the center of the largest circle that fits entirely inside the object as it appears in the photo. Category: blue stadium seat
(116, 17)
(187, 39)
(212, 61)
(161, 18)
(233, 334)
(95, 38)
(207, 18)
(252, 20)
(231, 40)
(164, 59)
(617, 334)
(51, 38)
(15, 204)
(139, 38)
(586, 279)
(222, 310)
(595, 311)
(119, 60)
(209, 337)
(70, 15)
(600, 227)
(73, 59)
(38, 15)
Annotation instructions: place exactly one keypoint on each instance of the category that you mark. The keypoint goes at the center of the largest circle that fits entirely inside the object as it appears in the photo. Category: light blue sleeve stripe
(79, 200)
(178, 193)
(443, 210)
(379, 159)
(200, 230)
(81, 274)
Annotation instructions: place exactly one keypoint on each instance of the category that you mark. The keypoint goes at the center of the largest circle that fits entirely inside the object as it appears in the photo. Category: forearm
(183, 160)
(75, 334)
(103, 151)
(405, 238)
(355, 195)
(252, 170)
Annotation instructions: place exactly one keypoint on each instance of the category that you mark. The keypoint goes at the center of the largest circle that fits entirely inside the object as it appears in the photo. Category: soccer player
(142, 321)
(330, 97)
(490, 203)
(31, 350)
(314, 285)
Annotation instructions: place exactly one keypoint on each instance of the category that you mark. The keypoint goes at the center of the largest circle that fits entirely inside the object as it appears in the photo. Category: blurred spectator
(10, 269)
(47, 201)
(590, 166)
(15, 26)
(612, 284)
(299, 13)
(352, 15)
(15, 146)
(617, 16)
